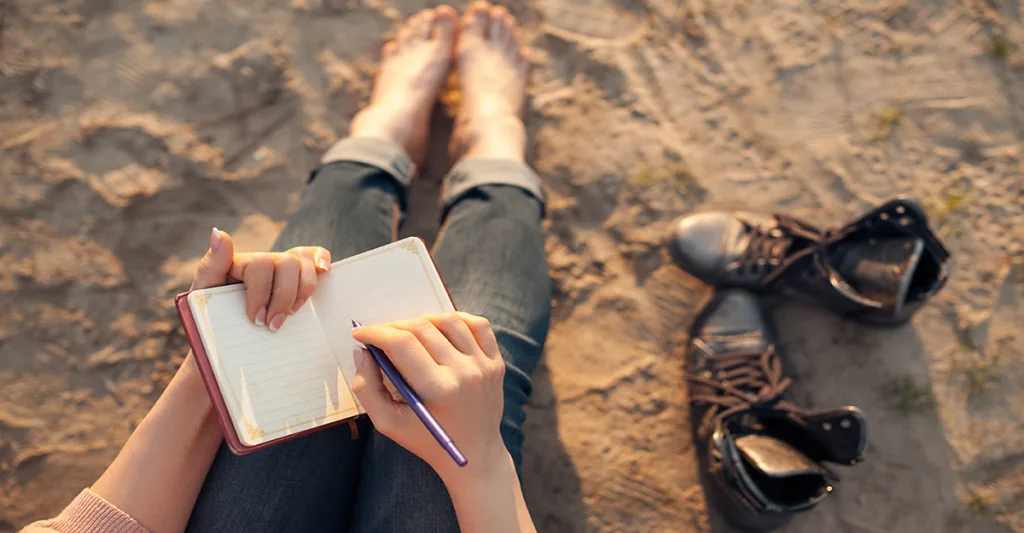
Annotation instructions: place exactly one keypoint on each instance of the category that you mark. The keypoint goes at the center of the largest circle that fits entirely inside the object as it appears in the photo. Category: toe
(511, 35)
(474, 21)
(405, 32)
(424, 24)
(497, 30)
(389, 49)
(510, 22)
(444, 24)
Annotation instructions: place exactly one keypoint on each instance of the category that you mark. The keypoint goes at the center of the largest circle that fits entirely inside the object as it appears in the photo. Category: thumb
(214, 266)
(368, 386)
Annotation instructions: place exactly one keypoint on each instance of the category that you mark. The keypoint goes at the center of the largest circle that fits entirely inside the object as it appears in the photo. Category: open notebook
(268, 387)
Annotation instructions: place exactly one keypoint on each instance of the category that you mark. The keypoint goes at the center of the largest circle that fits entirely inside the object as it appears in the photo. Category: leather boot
(877, 269)
(764, 456)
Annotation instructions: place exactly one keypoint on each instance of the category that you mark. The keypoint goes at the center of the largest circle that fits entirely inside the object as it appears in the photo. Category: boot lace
(769, 254)
(742, 381)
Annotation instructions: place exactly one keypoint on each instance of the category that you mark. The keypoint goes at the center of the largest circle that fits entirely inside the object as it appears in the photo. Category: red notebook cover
(210, 381)
(206, 371)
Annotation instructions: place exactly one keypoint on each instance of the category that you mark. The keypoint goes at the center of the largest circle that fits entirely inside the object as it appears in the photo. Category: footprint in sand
(603, 20)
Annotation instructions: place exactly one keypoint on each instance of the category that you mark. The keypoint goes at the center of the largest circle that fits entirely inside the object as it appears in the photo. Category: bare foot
(492, 74)
(413, 69)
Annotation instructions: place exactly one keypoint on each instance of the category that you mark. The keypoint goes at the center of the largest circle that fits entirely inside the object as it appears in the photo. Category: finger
(455, 329)
(368, 386)
(483, 333)
(238, 266)
(258, 277)
(406, 352)
(215, 266)
(307, 281)
(287, 268)
(437, 345)
(319, 256)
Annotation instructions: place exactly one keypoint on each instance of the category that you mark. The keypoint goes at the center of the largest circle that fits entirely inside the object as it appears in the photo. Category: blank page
(393, 282)
(273, 383)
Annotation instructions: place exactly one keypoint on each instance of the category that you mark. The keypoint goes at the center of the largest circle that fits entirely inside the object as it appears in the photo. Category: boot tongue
(879, 269)
(775, 458)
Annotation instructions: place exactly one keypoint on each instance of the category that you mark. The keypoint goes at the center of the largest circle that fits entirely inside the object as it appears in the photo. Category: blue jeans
(490, 253)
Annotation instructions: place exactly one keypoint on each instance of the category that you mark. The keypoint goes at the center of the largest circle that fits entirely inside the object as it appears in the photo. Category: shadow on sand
(550, 482)
(907, 474)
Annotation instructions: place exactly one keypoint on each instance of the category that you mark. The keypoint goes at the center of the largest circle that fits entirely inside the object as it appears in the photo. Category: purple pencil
(415, 402)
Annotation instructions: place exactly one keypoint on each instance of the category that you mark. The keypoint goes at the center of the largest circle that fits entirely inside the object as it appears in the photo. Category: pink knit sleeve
(88, 513)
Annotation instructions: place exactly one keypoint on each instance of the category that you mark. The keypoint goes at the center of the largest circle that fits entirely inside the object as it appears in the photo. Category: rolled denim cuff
(475, 172)
(378, 153)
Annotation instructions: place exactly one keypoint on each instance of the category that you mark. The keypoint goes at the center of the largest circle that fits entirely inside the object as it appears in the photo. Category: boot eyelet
(826, 426)
(883, 216)
(905, 221)
(845, 423)
(901, 209)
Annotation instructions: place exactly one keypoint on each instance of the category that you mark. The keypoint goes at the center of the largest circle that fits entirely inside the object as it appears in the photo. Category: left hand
(276, 284)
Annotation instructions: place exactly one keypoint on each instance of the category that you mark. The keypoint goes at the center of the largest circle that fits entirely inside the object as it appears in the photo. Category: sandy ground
(128, 129)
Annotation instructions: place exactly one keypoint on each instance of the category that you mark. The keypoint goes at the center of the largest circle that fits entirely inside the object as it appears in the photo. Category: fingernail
(276, 322)
(298, 305)
(322, 264)
(215, 239)
(261, 316)
(359, 356)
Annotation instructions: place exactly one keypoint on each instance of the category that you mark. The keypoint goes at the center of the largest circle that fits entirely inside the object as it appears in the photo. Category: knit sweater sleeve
(88, 513)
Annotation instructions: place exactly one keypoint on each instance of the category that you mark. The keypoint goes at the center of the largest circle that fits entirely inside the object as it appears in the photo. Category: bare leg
(413, 68)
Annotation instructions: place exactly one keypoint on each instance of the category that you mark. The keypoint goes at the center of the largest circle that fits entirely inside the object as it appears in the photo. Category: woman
(175, 473)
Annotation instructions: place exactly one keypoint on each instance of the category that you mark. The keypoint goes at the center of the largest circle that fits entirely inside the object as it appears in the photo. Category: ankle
(496, 138)
(377, 121)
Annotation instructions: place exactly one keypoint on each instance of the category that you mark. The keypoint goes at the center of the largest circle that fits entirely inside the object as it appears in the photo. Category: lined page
(274, 383)
(394, 282)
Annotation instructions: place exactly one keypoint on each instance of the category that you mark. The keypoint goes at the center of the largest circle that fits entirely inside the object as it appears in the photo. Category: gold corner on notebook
(409, 245)
(254, 433)
(201, 299)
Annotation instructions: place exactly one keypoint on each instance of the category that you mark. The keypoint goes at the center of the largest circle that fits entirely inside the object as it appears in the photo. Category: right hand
(452, 361)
